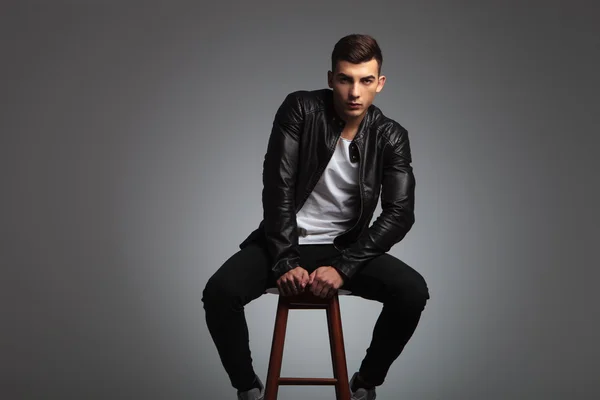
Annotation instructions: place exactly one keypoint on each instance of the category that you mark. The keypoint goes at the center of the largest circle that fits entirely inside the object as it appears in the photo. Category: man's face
(354, 84)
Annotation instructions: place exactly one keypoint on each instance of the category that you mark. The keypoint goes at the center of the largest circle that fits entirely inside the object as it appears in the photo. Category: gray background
(132, 140)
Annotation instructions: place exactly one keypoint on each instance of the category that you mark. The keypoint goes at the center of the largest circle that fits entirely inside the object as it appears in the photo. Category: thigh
(244, 276)
(386, 278)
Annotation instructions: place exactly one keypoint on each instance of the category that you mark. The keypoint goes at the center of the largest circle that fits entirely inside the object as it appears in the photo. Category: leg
(403, 292)
(241, 279)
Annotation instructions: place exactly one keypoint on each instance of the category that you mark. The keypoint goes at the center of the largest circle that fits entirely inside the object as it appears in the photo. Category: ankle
(360, 383)
(254, 385)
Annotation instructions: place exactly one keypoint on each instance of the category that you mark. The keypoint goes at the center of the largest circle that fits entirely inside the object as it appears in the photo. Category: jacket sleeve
(397, 203)
(279, 178)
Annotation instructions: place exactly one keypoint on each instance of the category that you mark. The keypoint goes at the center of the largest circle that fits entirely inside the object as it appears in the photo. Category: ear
(380, 83)
(330, 79)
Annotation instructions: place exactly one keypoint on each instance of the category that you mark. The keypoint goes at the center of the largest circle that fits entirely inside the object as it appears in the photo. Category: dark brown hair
(356, 48)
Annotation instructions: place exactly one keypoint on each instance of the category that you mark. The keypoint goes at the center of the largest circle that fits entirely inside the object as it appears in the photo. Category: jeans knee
(411, 299)
(418, 299)
(418, 293)
(219, 295)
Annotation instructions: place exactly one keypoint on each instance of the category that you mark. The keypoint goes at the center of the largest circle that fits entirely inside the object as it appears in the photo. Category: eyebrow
(346, 76)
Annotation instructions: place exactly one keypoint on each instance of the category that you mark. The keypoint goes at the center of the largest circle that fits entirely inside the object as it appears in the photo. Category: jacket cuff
(345, 266)
(285, 265)
(343, 274)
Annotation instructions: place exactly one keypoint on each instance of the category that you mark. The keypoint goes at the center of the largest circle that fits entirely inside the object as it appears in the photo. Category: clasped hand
(323, 282)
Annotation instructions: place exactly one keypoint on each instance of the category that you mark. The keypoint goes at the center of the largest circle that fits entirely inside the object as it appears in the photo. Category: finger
(327, 290)
(305, 279)
(324, 293)
(317, 289)
(298, 283)
(291, 286)
(312, 287)
(303, 284)
(281, 287)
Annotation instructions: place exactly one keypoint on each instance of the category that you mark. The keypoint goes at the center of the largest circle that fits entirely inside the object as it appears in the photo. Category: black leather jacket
(305, 131)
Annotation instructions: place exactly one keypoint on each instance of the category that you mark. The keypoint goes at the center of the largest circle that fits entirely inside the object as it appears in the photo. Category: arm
(397, 216)
(278, 195)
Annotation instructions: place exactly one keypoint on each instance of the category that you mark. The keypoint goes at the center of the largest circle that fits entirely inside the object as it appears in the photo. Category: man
(330, 155)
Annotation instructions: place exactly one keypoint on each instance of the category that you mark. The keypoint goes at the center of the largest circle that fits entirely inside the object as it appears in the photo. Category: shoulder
(291, 108)
(394, 134)
(298, 104)
(388, 128)
(310, 100)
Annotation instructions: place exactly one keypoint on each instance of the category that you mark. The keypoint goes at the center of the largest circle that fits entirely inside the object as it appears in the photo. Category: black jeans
(247, 274)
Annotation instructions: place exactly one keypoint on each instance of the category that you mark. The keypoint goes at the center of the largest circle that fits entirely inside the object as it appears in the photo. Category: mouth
(353, 105)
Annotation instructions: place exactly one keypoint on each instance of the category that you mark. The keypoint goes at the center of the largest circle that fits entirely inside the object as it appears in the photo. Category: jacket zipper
(360, 189)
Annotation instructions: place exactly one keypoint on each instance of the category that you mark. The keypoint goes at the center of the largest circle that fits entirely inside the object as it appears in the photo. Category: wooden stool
(308, 301)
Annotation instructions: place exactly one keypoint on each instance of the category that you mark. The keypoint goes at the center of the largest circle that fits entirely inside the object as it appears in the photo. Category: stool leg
(273, 374)
(338, 354)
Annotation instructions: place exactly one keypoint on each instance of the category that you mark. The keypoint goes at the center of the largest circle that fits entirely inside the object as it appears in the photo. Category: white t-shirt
(332, 207)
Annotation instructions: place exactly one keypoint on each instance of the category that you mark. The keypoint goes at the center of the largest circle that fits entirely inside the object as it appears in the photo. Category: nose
(354, 92)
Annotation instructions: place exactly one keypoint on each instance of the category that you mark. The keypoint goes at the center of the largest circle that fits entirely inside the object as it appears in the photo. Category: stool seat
(307, 301)
(341, 292)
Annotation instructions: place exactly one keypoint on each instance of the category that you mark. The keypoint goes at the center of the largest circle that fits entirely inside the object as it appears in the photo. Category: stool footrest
(307, 381)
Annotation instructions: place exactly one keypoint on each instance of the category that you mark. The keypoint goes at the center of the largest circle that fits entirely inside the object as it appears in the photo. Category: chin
(355, 113)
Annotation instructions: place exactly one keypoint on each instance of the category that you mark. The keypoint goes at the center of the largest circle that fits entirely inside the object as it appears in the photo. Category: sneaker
(253, 394)
(361, 394)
